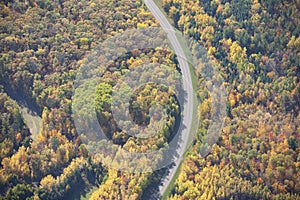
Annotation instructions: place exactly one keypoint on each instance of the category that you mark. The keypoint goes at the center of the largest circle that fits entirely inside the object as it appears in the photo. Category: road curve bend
(188, 106)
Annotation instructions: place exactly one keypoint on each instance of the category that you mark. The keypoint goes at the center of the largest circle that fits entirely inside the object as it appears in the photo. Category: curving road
(187, 86)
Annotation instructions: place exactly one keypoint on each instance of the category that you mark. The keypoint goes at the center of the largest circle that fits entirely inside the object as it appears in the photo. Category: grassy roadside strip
(194, 125)
(159, 4)
(172, 183)
(33, 121)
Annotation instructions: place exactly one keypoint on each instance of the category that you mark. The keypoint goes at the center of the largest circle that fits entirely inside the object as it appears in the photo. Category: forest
(256, 47)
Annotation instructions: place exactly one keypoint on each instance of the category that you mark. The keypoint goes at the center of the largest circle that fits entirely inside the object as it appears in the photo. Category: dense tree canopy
(256, 47)
(251, 42)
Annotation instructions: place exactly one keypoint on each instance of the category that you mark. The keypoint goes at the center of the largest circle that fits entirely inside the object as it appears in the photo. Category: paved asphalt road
(187, 86)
